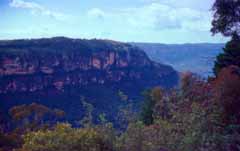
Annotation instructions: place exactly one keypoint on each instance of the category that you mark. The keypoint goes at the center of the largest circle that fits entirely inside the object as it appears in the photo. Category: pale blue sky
(164, 21)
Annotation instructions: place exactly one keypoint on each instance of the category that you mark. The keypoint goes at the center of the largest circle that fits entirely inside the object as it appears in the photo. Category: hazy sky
(165, 21)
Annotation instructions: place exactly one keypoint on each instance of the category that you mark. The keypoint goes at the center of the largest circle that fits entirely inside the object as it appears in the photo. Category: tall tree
(226, 17)
(151, 98)
(230, 56)
(226, 20)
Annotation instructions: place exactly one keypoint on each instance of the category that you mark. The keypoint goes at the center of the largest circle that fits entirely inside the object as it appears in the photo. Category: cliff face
(33, 65)
(57, 65)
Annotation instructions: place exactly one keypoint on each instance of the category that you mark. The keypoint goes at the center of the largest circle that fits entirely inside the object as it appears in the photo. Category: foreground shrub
(65, 138)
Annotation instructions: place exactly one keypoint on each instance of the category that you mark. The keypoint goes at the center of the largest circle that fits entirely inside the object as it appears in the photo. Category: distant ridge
(195, 57)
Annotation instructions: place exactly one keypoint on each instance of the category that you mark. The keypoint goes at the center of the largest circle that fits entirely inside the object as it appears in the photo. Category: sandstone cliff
(41, 69)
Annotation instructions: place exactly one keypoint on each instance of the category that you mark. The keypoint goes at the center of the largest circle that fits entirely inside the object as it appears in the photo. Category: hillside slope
(59, 72)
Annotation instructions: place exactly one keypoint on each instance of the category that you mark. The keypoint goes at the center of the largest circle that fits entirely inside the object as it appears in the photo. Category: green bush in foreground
(65, 138)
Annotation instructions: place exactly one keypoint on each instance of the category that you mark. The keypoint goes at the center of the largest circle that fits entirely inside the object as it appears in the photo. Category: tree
(33, 116)
(226, 17)
(151, 98)
(132, 139)
(87, 120)
(227, 22)
(9, 141)
(231, 55)
(226, 94)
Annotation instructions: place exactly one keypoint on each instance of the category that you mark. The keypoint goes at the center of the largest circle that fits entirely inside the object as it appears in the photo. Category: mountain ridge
(197, 58)
(59, 72)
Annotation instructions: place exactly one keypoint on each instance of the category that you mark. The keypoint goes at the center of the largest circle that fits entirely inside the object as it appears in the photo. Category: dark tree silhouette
(230, 56)
(226, 18)
(226, 21)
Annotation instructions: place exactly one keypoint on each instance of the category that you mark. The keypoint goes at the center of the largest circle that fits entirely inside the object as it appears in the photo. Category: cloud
(37, 9)
(193, 4)
(96, 13)
(156, 16)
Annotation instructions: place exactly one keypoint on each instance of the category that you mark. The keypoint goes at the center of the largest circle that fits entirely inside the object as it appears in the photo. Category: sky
(158, 21)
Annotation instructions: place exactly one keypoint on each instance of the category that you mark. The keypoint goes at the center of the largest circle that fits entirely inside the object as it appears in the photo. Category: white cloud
(156, 16)
(23, 4)
(37, 9)
(193, 4)
(96, 13)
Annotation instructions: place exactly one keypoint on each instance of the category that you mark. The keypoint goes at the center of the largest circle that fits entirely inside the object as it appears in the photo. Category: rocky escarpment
(42, 69)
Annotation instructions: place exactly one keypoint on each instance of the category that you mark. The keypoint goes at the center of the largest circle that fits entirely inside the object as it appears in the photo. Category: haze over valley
(196, 58)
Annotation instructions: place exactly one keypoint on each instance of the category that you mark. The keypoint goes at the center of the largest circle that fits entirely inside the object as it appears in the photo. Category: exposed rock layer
(44, 68)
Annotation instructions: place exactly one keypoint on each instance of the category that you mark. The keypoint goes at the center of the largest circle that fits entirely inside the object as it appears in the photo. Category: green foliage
(122, 96)
(108, 134)
(9, 141)
(27, 118)
(34, 116)
(200, 116)
(231, 55)
(151, 97)
(87, 120)
(226, 17)
(133, 138)
(226, 21)
(63, 138)
(126, 115)
(180, 121)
